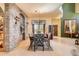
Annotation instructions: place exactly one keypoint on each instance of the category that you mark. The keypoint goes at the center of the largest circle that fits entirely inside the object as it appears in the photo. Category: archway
(22, 26)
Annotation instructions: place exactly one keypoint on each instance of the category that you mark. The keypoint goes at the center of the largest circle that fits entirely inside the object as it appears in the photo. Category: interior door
(55, 29)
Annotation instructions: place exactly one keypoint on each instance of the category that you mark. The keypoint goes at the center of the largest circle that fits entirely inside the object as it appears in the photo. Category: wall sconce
(16, 19)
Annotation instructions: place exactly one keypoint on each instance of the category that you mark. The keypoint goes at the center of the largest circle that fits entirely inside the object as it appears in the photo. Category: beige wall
(77, 7)
(2, 6)
(57, 21)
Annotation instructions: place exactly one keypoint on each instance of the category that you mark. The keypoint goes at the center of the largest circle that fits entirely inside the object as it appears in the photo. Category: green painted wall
(69, 10)
(68, 14)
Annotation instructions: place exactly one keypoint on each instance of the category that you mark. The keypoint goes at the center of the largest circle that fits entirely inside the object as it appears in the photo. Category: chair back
(39, 39)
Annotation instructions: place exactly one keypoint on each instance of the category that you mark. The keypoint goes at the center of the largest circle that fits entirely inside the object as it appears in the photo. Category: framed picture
(70, 26)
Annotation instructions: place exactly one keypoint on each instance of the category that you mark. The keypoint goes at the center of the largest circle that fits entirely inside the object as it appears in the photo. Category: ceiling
(42, 9)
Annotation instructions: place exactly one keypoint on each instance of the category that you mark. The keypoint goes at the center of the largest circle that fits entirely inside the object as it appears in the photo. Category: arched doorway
(22, 26)
(2, 32)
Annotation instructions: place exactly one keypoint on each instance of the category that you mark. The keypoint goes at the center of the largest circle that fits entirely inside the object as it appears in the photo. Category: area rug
(41, 49)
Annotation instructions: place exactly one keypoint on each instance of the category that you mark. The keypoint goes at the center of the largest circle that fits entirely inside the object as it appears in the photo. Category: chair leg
(34, 47)
(43, 48)
(48, 44)
(30, 45)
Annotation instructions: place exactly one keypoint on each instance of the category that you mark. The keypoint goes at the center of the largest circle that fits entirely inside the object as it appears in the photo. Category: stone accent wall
(12, 31)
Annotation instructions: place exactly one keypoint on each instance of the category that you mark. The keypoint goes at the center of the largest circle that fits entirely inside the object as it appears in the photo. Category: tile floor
(61, 47)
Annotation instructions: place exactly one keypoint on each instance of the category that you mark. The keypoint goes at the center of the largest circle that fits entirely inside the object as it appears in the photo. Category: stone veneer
(12, 31)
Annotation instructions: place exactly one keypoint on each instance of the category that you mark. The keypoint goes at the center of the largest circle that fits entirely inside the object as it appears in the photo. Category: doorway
(22, 26)
(55, 30)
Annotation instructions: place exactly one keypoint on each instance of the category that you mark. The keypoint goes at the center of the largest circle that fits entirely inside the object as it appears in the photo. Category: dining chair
(38, 41)
(47, 41)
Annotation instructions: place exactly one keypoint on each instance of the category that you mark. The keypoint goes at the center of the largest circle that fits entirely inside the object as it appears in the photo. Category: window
(38, 26)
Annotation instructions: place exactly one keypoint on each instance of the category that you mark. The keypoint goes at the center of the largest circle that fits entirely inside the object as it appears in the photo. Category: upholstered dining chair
(38, 41)
(47, 40)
